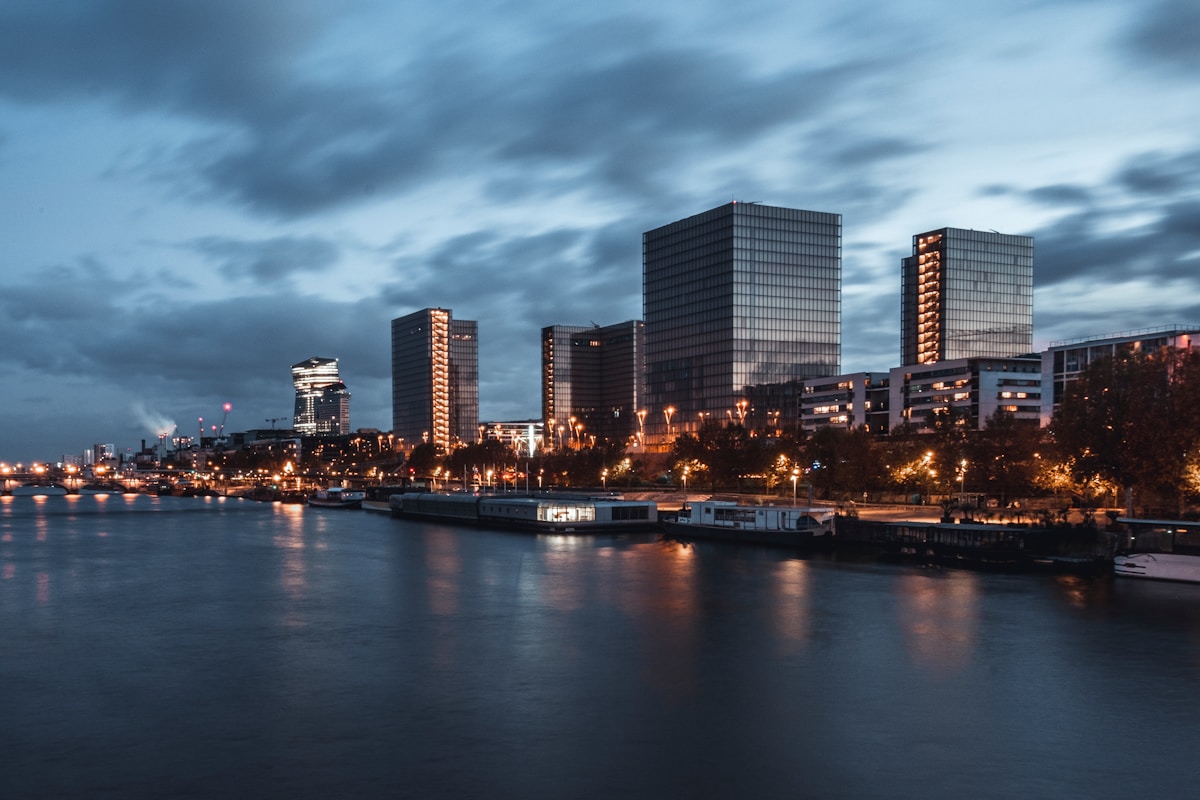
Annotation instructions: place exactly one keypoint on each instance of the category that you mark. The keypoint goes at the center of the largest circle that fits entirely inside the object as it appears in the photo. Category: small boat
(1166, 550)
(794, 526)
(36, 489)
(337, 497)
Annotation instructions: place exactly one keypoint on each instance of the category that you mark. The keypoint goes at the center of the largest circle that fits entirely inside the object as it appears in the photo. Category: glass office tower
(966, 294)
(435, 379)
(736, 299)
(592, 374)
(322, 400)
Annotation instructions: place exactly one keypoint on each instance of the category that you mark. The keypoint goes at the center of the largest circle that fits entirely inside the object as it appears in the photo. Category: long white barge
(1160, 549)
(792, 526)
(549, 513)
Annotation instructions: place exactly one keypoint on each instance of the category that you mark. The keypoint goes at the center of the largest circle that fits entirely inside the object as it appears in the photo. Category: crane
(226, 408)
(273, 420)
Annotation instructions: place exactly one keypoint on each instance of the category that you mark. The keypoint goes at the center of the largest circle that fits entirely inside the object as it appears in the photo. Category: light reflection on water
(939, 616)
(213, 648)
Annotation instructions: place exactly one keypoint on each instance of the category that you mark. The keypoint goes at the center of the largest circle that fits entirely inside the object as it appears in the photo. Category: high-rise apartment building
(435, 379)
(322, 400)
(966, 294)
(737, 299)
(591, 379)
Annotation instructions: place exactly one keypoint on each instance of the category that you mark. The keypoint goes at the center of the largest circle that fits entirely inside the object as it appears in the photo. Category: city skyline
(197, 198)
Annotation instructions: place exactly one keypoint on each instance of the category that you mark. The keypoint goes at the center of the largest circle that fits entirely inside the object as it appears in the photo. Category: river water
(209, 647)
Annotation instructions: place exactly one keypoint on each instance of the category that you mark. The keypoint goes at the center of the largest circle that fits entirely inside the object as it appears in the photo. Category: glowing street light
(669, 412)
(604, 478)
(795, 477)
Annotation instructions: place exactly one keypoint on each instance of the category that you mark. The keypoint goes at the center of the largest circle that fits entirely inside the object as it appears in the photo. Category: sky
(195, 196)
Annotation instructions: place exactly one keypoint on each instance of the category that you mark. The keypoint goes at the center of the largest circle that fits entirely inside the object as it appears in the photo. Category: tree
(1132, 419)
(842, 461)
(423, 458)
(1001, 458)
(726, 450)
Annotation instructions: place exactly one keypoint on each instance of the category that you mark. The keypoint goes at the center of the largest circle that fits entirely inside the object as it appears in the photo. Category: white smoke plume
(157, 424)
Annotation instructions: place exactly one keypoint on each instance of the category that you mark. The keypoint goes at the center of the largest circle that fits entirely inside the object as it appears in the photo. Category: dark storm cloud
(554, 276)
(613, 105)
(1095, 237)
(203, 57)
(853, 151)
(1061, 194)
(267, 261)
(1166, 35)
(1158, 174)
(197, 350)
(619, 124)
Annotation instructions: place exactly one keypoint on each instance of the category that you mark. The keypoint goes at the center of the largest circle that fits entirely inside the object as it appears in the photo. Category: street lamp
(795, 477)
(604, 478)
(668, 412)
(685, 474)
(641, 415)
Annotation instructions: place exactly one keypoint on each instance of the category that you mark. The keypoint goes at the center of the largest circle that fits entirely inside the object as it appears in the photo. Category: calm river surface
(204, 647)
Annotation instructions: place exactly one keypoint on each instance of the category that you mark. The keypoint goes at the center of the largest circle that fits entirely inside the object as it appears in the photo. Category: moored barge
(792, 526)
(547, 513)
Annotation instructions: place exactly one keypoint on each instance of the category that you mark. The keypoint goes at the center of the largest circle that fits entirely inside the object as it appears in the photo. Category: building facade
(856, 400)
(591, 380)
(966, 294)
(1064, 361)
(435, 379)
(737, 299)
(322, 399)
(968, 391)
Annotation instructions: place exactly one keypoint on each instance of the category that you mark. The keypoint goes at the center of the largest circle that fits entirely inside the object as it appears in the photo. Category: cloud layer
(204, 195)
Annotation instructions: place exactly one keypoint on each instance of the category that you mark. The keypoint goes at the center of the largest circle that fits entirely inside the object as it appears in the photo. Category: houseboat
(795, 526)
(545, 513)
(336, 497)
(1167, 550)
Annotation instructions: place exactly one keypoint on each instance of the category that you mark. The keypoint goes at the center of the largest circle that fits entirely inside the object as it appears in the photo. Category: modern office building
(591, 380)
(856, 400)
(968, 390)
(322, 400)
(737, 299)
(1065, 360)
(435, 379)
(966, 294)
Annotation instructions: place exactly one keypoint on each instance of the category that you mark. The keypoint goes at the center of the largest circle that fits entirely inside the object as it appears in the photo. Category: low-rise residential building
(854, 400)
(1064, 361)
(971, 389)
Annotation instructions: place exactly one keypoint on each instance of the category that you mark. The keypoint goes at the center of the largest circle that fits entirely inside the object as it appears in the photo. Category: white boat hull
(1159, 566)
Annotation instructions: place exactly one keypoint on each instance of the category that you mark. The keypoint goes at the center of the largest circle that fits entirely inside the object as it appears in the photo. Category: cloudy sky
(194, 196)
